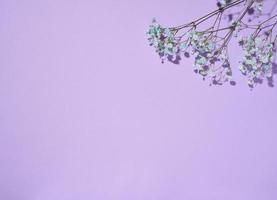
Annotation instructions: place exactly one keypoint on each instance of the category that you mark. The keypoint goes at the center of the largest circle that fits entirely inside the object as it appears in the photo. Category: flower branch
(210, 46)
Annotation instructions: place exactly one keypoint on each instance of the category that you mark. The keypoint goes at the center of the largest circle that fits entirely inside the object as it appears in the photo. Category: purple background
(87, 111)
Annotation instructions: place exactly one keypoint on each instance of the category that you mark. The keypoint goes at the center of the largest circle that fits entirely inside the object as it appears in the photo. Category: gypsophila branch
(210, 46)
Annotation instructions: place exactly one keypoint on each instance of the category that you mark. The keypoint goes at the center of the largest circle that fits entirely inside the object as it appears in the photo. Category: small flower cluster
(257, 59)
(201, 42)
(210, 62)
(215, 68)
(163, 41)
(258, 6)
(222, 3)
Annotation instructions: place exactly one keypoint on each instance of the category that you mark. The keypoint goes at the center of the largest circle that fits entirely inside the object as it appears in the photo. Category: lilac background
(88, 112)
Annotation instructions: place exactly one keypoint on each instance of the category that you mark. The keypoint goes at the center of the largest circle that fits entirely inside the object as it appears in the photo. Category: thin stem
(211, 14)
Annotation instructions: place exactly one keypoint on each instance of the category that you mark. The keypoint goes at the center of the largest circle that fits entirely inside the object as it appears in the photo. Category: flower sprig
(257, 63)
(209, 47)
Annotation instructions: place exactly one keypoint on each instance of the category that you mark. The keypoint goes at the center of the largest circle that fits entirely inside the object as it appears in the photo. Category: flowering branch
(210, 46)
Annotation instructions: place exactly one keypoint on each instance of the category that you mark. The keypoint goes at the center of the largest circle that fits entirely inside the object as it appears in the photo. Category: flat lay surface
(87, 110)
